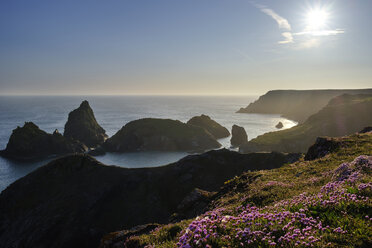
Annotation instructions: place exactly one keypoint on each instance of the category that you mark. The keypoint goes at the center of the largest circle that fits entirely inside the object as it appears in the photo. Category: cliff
(152, 134)
(74, 200)
(343, 115)
(296, 105)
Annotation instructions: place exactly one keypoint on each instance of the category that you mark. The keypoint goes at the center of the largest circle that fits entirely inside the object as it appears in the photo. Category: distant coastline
(296, 105)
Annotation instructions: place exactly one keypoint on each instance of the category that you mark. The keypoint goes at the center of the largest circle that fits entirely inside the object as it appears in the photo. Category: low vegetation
(320, 203)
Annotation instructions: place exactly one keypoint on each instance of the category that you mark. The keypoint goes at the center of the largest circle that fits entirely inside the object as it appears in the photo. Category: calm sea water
(50, 113)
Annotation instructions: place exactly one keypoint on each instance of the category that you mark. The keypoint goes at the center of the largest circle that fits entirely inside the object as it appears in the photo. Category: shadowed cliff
(74, 200)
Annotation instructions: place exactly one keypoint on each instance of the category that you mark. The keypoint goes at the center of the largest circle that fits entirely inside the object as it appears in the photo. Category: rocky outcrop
(210, 125)
(279, 125)
(346, 114)
(30, 142)
(296, 105)
(75, 200)
(366, 130)
(322, 147)
(160, 135)
(118, 239)
(82, 126)
(98, 151)
(239, 136)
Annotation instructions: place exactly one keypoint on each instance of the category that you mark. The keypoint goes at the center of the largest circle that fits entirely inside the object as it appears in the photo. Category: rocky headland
(343, 115)
(151, 134)
(296, 105)
(30, 142)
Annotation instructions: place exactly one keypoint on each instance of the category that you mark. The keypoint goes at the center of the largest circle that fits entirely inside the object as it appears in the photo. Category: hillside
(343, 115)
(320, 203)
(73, 201)
(296, 105)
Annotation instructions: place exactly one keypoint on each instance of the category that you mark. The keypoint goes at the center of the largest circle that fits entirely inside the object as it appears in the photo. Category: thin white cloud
(282, 22)
(288, 38)
(321, 32)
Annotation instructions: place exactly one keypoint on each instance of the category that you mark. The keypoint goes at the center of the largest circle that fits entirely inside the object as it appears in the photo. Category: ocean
(113, 112)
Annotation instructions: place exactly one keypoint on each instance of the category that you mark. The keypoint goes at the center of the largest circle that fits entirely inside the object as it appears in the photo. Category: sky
(183, 47)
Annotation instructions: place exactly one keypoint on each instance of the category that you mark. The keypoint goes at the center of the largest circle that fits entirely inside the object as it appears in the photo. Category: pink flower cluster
(251, 226)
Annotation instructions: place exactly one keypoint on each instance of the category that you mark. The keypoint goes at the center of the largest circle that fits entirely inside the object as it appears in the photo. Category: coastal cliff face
(73, 201)
(152, 134)
(210, 125)
(83, 126)
(30, 142)
(343, 115)
(296, 105)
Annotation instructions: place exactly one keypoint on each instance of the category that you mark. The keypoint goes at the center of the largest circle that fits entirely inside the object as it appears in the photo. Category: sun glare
(317, 19)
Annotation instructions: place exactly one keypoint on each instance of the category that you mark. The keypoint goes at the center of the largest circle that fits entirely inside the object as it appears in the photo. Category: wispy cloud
(282, 23)
(305, 39)
(321, 32)
(288, 38)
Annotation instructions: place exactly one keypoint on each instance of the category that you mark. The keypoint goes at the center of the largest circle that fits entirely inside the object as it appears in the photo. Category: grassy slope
(342, 116)
(266, 188)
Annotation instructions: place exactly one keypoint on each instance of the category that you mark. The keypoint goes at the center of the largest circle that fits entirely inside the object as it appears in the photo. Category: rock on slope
(82, 125)
(343, 115)
(210, 125)
(152, 134)
(29, 142)
(296, 105)
(74, 200)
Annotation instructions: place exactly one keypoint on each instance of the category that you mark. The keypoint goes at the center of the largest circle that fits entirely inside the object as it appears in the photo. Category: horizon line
(178, 94)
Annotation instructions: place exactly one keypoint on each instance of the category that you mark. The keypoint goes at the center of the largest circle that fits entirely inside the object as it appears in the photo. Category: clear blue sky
(183, 46)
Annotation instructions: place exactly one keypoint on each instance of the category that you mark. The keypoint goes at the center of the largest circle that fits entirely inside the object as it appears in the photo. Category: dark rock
(98, 151)
(82, 125)
(75, 200)
(279, 125)
(366, 130)
(239, 136)
(160, 135)
(117, 239)
(193, 204)
(322, 147)
(29, 142)
(210, 125)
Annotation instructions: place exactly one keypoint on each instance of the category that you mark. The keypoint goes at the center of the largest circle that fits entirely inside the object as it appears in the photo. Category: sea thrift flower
(250, 226)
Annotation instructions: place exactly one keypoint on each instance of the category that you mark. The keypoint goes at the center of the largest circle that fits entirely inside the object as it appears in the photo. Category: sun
(316, 19)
